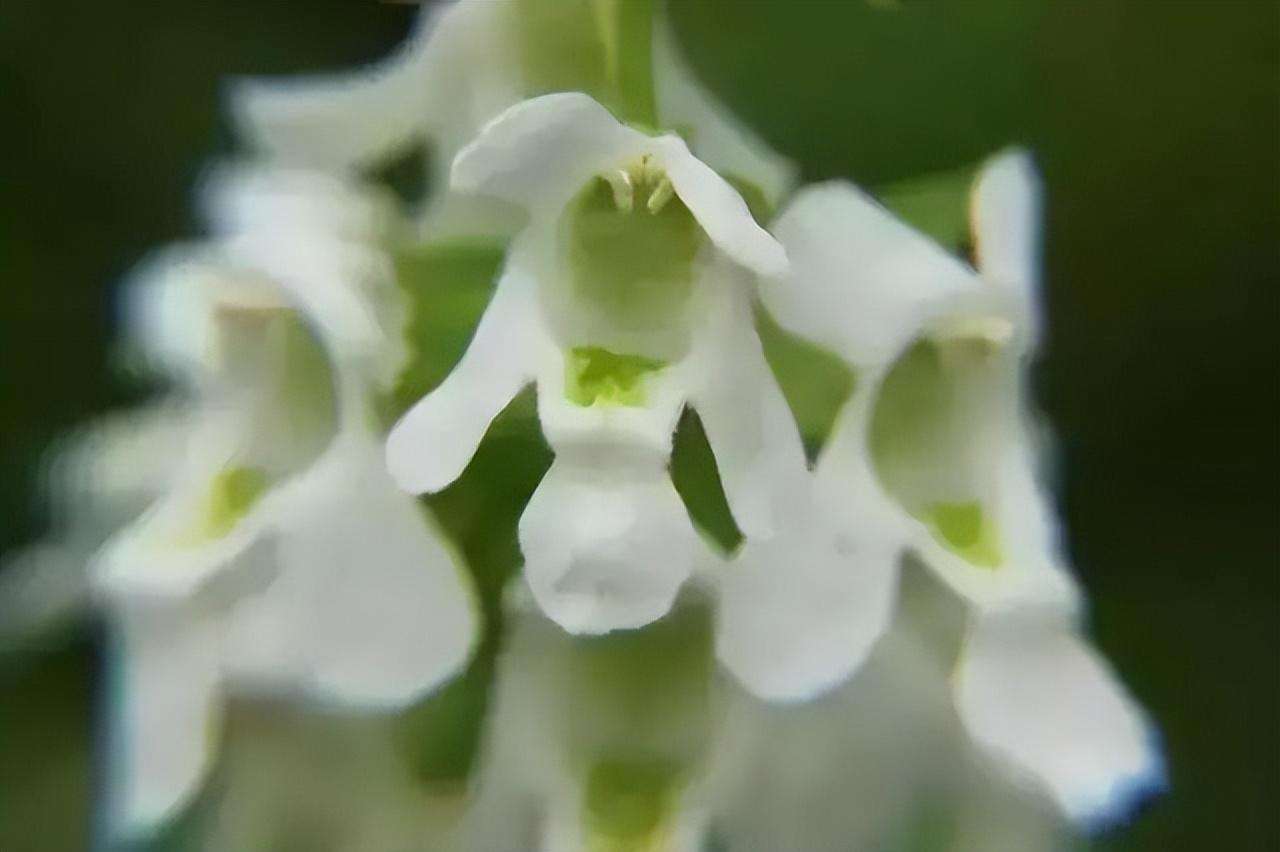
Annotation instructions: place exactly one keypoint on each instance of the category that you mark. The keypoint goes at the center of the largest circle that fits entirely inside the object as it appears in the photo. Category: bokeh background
(1156, 125)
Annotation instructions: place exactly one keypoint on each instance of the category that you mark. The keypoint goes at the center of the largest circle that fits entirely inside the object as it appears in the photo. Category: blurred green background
(1157, 127)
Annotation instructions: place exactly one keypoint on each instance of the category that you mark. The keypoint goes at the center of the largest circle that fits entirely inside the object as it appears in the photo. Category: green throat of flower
(628, 805)
(595, 376)
(231, 494)
(630, 245)
(927, 431)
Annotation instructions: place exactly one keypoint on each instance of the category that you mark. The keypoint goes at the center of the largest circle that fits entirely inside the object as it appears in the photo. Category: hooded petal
(1034, 694)
(541, 151)
(165, 709)
(862, 283)
(432, 443)
(371, 604)
(606, 541)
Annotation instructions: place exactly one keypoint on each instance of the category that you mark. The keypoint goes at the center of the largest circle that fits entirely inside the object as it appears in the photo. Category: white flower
(283, 556)
(597, 743)
(935, 453)
(626, 297)
(468, 61)
(880, 762)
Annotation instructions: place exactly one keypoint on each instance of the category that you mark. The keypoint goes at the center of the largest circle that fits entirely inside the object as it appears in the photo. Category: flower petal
(1006, 213)
(375, 597)
(445, 80)
(862, 283)
(165, 706)
(720, 210)
(799, 613)
(541, 151)
(1036, 695)
(752, 433)
(432, 443)
(607, 545)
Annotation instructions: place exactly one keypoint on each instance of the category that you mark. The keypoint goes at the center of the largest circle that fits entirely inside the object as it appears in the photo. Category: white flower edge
(369, 608)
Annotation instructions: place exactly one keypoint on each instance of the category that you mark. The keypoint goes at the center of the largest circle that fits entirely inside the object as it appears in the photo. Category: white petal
(432, 443)
(717, 137)
(385, 615)
(447, 79)
(607, 544)
(165, 708)
(1006, 212)
(1035, 695)
(541, 151)
(720, 210)
(862, 283)
(799, 614)
(253, 198)
(749, 426)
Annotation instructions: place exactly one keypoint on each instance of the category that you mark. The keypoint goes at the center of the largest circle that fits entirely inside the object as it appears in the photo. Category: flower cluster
(650, 244)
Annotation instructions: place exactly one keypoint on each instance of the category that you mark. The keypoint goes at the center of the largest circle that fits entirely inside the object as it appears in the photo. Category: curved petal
(448, 73)
(165, 708)
(799, 614)
(1006, 213)
(370, 593)
(541, 151)
(752, 433)
(1034, 694)
(862, 283)
(606, 546)
(717, 137)
(432, 443)
(720, 210)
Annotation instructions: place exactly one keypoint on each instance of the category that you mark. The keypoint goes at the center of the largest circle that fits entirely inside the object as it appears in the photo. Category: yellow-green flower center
(596, 376)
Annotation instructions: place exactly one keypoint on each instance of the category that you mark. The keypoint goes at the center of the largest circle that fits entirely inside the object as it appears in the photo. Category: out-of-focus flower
(469, 60)
(282, 557)
(880, 762)
(626, 297)
(599, 743)
(934, 453)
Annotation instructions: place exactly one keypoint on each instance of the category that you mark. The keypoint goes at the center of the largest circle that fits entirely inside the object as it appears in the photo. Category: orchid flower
(597, 743)
(626, 297)
(880, 761)
(282, 557)
(468, 61)
(936, 448)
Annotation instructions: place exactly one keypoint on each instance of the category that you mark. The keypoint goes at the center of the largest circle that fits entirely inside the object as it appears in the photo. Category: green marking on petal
(627, 804)
(630, 244)
(597, 376)
(966, 529)
(232, 493)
